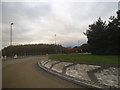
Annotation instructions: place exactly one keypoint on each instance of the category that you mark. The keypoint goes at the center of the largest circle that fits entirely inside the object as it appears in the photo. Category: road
(24, 73)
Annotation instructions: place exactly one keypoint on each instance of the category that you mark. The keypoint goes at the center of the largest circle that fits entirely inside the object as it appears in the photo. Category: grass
(86, 58)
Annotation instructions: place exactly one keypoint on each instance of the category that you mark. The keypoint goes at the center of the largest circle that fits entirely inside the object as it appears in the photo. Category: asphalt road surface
(24, 73)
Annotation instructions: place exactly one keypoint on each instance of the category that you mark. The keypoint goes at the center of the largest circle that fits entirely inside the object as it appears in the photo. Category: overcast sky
(38, 22)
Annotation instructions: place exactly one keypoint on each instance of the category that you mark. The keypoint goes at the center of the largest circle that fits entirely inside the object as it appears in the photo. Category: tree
(113, 34)
(83, 48)
(96, 37)
(102, 38)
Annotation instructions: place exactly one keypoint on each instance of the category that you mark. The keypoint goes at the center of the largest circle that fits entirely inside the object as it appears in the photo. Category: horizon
(38, 22)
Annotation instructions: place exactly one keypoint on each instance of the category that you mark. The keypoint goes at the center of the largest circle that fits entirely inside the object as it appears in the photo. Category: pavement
(90, 75)
(25, 73)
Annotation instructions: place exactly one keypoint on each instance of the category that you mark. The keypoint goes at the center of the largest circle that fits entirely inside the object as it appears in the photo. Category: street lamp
(11, 34)
(55, 39)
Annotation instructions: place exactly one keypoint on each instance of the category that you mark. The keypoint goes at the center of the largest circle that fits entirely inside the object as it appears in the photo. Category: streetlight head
(119, 5)
(11, 23)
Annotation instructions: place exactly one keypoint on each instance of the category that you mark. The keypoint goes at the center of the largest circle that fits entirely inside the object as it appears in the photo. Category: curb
(76, 81)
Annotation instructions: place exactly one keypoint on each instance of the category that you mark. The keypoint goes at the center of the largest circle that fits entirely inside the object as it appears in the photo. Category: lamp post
(78, 42)
(55, 45)
(11, 25)
(119, 5)
(11, 34)
(55, 39)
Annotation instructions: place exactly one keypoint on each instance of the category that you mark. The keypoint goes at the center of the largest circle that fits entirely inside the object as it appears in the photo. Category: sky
(38, 22)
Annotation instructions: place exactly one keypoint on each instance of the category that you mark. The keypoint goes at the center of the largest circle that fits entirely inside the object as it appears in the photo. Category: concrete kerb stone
(72, 79)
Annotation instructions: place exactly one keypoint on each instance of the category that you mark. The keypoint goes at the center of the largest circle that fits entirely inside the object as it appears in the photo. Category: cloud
(38, 22)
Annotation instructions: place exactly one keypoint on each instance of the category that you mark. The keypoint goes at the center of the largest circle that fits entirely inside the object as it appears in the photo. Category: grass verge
(87, 58)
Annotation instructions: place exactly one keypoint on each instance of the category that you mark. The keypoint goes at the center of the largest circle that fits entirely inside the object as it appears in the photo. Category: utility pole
(11, 34)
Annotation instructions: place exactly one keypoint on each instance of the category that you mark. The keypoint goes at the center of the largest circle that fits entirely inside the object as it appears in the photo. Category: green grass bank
(86, 58)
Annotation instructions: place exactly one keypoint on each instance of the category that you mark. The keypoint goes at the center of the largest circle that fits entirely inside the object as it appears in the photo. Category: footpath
(90, 75)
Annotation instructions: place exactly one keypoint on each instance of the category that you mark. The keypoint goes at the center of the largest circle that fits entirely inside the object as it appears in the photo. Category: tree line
(42, 49)
(33, 49)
